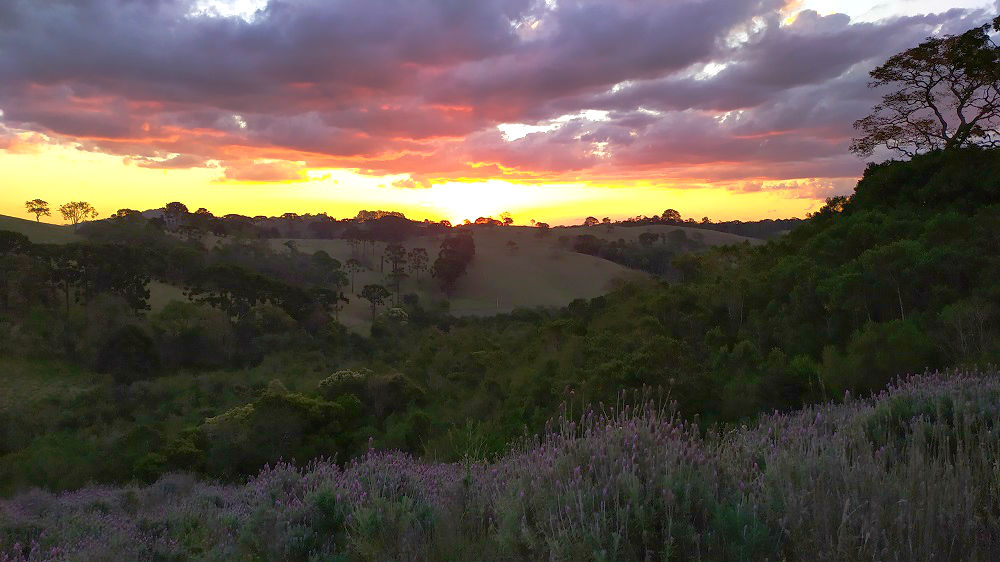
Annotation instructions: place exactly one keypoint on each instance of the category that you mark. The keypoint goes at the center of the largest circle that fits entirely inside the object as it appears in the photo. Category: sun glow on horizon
(63, 173)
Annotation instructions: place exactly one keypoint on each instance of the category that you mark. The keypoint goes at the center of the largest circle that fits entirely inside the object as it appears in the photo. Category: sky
(551, 110)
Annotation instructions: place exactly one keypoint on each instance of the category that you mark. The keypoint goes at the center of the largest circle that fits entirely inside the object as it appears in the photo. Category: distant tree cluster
(74, 212)
(652, 252)
(766, 228)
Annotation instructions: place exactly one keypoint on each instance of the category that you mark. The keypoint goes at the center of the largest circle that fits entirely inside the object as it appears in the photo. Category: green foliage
(190, 335)
(898, 278)
(280, 425)
(453, 259)
(345, 381)
(129, 355)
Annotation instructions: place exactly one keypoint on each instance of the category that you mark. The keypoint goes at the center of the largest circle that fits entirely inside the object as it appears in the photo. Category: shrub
(345, 381)
(908, 475)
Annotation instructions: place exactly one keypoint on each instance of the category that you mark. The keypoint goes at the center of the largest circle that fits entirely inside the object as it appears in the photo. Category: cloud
(257, 171)
(411, 183)
(175, 162)
(699, 90)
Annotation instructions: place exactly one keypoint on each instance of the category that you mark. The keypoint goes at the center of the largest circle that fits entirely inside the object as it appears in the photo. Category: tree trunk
(899, 296)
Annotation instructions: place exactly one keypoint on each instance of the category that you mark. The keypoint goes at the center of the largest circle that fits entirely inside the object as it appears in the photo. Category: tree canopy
(38, 207)
(78, 211)
(945, 95)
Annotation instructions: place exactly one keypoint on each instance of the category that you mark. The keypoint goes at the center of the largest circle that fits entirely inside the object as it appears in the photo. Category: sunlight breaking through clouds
(516, 131)
(243, 9)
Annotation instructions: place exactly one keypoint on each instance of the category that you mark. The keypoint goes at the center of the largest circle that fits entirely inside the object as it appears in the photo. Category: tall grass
(912, 474)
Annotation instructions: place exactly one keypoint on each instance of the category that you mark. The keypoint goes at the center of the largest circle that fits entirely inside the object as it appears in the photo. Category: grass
(540, 272)
(498, 280)
(40, 233)
(28, 381)
(909, 475)
(162, 293)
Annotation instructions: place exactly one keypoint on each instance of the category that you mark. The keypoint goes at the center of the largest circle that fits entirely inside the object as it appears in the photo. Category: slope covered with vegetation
(900, 277)
(910, 475)
(40, 233)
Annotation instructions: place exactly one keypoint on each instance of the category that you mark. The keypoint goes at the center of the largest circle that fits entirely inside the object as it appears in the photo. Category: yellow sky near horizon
(59, 174)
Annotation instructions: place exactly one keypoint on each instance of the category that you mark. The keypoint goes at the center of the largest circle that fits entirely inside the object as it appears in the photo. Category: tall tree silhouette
(946, 94)
(38, 207)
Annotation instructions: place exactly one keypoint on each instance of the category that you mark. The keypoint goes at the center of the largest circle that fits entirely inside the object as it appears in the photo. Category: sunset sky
(446, 109)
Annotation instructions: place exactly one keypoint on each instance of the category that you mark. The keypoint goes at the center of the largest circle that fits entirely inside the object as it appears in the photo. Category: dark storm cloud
(712, 89)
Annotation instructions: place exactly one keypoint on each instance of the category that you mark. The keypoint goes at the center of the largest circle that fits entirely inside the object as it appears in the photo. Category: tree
(77, 211)
(125, 215)
(417, 261)
(13, 243)
(352, 266)
(647, 238)
(200, 221)
(543, 228)
(453, 259)
(375, 295)
(506, 218)
(488, 221)
(946, 95)
(396, 279)
(175, 210)
(328, 269)
(891, 265)
(396, 255)
(590, 221)
(38, 207)
(671, 216)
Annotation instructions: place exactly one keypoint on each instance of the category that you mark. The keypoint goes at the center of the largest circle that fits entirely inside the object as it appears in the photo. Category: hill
(631, 233)
(539, 271)
(39, 233)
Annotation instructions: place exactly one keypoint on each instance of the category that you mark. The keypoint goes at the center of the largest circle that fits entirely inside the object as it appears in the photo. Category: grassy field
(28, 381)
(499, 279)
(40, 233)
(161, 293)
(538, 272)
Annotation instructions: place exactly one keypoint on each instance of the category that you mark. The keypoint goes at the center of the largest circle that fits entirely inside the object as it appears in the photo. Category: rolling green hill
(39, 233)
(538, 271)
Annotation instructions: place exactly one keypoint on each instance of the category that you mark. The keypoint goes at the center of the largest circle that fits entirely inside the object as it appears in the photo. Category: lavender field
(912, 474)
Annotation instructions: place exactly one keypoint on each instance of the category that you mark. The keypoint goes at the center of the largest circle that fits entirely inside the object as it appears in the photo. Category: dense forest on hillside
(255, 368)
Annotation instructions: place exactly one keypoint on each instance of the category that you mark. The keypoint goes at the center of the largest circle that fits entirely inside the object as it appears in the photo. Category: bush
(907, 476)
(129, 355)
(345, 381)
(192, 335)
